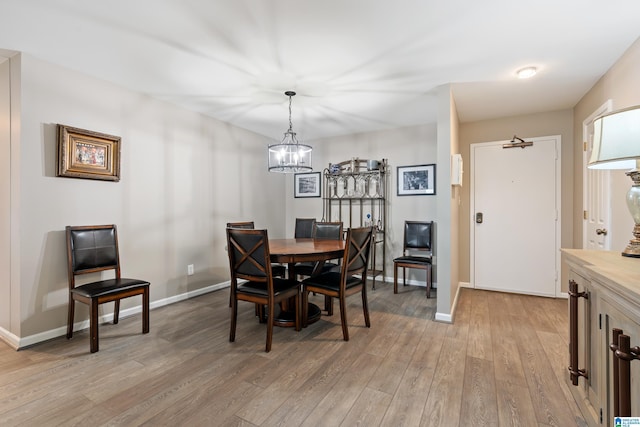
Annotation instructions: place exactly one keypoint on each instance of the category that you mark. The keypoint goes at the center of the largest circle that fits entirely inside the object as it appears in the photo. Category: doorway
(515, 209)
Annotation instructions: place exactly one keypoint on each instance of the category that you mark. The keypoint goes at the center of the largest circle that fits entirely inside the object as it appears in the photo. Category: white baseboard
(19, 343)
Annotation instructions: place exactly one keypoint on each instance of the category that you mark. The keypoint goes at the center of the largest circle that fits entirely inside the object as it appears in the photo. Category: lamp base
(633, 248)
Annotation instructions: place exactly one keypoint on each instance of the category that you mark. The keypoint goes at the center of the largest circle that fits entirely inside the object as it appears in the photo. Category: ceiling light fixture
(289, 156)
(527, 72)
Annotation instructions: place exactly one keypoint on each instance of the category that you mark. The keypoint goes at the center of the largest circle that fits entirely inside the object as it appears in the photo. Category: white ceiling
(357, 65)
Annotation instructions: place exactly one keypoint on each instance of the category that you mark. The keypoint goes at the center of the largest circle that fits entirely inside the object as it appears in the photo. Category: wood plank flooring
(502, 363)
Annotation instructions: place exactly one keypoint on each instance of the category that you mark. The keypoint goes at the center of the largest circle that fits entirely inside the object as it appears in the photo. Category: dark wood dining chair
(304, 228)
(321, 231)
(350, 280)
(417, 237)
(91, 249)
(249, 260)
(278, 270)
(326, 231)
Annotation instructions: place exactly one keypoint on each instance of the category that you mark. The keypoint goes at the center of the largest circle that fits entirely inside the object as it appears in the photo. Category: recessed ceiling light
(527, 72)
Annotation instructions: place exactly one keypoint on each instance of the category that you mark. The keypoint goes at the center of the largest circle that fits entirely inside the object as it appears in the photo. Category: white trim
(450, 317)
(19, 343)
(607, 107)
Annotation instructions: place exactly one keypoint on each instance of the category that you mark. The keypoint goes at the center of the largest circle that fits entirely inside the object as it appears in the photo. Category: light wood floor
(502, 363)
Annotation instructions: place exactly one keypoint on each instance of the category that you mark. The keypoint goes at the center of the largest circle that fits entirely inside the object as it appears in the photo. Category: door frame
(607, 107)
(558, 191)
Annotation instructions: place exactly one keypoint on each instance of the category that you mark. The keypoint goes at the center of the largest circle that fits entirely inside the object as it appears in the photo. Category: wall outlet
(190, 270)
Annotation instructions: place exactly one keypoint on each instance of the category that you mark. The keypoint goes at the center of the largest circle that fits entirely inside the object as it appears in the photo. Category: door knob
(600, 231)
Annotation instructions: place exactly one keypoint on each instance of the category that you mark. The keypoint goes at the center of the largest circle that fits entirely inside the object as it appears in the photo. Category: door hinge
(584, 146)
(584, 215)
(601, 416)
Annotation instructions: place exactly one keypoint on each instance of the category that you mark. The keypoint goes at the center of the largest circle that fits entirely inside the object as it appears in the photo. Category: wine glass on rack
(341, 187)
(333, 191)
(374, 186)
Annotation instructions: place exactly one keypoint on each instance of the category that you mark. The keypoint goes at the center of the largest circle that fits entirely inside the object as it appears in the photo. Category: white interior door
(597, 197)
(515, 209)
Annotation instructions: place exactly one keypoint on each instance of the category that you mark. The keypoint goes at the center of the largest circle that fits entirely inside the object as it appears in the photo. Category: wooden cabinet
(356, 194)
(604, 290)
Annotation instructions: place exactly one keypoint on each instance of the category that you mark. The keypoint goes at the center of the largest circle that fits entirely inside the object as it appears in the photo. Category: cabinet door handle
(573, 332)
(601, 231)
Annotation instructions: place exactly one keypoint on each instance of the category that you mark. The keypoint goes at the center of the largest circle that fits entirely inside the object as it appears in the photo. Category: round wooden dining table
(292, 251)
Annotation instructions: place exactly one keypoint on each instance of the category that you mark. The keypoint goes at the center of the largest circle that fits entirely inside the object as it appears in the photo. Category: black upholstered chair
(91, 249)
(278, 270)
(417, 238)
(321, 230)
(350, 280)
(304, 228)
(249, 260)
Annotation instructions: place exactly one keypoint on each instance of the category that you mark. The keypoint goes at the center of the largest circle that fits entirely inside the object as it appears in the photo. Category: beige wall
(183, 178)
(401, 147)
(527, 126)
(621, 84)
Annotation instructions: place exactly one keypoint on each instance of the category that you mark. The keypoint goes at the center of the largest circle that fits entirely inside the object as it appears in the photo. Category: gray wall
(183, 177)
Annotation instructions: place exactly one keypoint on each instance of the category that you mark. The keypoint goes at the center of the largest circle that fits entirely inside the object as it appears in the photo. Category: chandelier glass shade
(289, 156)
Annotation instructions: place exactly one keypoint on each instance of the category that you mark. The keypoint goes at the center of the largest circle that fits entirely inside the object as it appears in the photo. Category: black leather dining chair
(417, 237)
(304, 228)
(326, 231)
(350, 280)
(92, 249)
(249, 261)
(278, 270)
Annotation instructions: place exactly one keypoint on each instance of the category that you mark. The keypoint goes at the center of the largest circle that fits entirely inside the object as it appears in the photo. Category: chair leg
(116, 311)
(145, 311)
(343, 317)
(404, 276)
(328, 305)
(429, 281)
(305, 308)
(298, 311)
(395, 278)
(270, 320)
(365, 306)
(70, 318)
(93, 325)
(234, 317)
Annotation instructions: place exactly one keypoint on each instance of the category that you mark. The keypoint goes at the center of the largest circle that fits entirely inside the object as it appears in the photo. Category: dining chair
(249, 261)
(321, 231)
(278, 270)
(304, 228)
(350, 280)
(417, 237)
(92, 249)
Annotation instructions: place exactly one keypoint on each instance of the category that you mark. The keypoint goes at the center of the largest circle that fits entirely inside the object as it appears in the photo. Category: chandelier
(289, 156)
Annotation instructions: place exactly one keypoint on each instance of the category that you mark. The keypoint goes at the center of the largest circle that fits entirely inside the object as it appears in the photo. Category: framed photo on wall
(417, 180)
(307, 184)
(87, 154)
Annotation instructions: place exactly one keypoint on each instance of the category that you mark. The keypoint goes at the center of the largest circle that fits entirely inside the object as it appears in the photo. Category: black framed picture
(307, 184)
(417, 180)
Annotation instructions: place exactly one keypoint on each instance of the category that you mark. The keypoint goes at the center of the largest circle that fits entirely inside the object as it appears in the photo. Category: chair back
(356, 254)
(327, 230)
(91, 249)
(245, 224)
(417, 235)
(304, 228)
(249, 255)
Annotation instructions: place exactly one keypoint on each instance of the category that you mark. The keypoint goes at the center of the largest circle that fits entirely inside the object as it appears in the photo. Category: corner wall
(183, 177)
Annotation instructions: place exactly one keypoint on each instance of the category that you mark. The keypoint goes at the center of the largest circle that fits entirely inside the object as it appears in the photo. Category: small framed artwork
(417, 180)
(87, 154)
(307, 184)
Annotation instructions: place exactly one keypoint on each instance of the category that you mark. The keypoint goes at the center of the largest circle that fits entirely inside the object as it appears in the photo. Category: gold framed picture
(87, 154)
